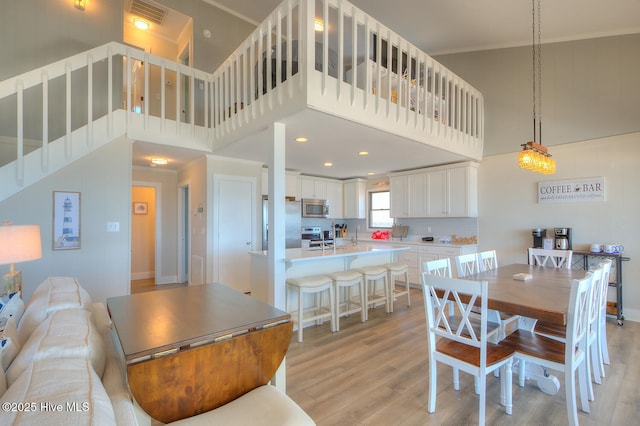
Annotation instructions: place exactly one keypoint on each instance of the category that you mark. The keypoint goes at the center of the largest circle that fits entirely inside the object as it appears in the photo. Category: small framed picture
(66, 220)
(140, 207)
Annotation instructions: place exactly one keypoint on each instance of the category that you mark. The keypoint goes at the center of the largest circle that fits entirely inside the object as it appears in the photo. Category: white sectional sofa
(61, 364)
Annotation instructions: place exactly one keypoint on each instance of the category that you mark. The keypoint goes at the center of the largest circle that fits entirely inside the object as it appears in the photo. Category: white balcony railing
(355, 68)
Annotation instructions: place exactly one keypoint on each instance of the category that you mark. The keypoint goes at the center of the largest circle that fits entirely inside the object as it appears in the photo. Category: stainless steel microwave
(312, 207)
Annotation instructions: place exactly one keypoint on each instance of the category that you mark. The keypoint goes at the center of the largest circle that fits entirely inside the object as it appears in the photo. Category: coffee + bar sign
(571, 191)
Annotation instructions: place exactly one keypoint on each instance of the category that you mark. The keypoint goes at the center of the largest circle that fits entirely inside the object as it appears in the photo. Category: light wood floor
(376, 373)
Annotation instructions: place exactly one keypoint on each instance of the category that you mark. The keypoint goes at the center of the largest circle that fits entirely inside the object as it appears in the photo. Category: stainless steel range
(315, 237)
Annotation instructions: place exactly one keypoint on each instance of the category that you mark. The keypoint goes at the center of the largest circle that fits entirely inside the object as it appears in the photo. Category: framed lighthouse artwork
(66, 220)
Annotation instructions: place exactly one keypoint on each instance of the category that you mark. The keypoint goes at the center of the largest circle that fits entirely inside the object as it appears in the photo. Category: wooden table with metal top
(189, 350)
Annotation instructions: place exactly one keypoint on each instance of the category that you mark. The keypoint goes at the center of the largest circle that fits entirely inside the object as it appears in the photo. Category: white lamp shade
(19, 243)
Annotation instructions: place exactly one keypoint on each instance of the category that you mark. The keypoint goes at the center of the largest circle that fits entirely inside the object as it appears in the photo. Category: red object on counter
(380, 235)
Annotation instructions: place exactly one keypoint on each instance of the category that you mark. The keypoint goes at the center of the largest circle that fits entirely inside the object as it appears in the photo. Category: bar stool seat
(395, 270)
(373, 274)
(316, 285)
(346, 280)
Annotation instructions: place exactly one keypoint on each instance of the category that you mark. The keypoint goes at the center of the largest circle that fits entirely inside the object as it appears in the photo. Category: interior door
(234, 230)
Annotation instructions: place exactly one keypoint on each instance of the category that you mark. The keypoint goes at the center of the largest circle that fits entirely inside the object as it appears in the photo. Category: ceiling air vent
(147, 10)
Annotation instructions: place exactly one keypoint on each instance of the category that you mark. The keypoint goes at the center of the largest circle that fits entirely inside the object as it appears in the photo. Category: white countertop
(415, 243)
(345, 250)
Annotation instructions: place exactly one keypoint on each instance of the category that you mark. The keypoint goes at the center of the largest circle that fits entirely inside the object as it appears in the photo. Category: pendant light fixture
(534, 156)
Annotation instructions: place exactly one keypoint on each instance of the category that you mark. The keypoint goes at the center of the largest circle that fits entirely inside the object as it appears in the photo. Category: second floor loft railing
(355, 68)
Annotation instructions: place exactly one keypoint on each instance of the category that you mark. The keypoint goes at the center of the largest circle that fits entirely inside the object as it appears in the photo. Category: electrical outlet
(428, 229)
(113, 226)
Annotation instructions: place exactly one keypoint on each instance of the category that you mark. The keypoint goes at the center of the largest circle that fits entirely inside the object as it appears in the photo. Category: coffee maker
(538, 237)
(563, 238)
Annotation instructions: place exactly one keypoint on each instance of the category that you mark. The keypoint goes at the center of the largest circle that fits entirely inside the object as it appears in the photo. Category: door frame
(157, 227)
(184, 258)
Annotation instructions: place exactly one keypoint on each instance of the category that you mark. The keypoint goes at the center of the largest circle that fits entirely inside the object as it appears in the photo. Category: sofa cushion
(61, 393)
(11, 306)
(65, 334)
(53, 294)
(264, 405)
(9, 344)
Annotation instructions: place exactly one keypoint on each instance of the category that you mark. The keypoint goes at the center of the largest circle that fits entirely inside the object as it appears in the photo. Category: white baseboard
(142, 275)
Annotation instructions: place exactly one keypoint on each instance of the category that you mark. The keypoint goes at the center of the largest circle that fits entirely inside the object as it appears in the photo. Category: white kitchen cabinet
(453, 191)
(408, 195)
(322, 189)
(334, 199)
(399, 192)
(417, 190)
(355, 199)
(444, 191)
(410, 258)
(312, 188)
(291, 183)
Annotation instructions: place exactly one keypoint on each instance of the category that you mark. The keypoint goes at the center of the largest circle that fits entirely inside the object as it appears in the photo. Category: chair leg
(433, 384)
(300, 316)
(570, 396)
(407, 288)
(483, 398)
(476, 384)
(588, 358)
(595, 362)
(603, 343)
(456, 379)
(583, 377)
(332, 309)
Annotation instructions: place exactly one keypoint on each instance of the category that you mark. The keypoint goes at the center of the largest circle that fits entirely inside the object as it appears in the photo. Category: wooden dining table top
(544, 297)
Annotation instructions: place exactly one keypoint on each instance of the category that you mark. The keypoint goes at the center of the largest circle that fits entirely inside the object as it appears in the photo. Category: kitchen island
(311, 261)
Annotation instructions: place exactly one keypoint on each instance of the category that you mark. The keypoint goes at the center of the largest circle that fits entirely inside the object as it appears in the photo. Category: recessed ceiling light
(363, 153)
(141, 24)
(159, 161)
(301, 139)
(328, 164)
(371, 173)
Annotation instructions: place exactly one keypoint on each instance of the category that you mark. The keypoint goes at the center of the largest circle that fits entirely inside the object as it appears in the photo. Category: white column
(277, 292)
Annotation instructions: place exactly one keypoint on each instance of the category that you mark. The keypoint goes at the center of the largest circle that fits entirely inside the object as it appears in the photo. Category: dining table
(543, 295)
(536, 293)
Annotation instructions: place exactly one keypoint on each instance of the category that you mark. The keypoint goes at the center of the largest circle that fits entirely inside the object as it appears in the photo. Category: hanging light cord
(539, 75)
(536, 50)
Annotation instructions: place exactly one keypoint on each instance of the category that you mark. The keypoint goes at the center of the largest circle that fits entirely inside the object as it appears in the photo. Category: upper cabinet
(323, 189)
(355, 199)
(291, 183)
(446, 191)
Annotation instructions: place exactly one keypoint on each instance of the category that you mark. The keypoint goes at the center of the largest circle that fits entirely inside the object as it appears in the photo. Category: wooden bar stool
(371, 275)
(395, 270)
(316, 285)
(346, 280)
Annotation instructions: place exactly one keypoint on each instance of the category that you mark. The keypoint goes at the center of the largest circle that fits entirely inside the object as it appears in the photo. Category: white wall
(509, 209)
(590, 89)
(103, 179)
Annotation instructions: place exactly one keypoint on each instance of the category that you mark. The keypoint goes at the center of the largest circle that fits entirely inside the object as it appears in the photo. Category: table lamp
(18, 243)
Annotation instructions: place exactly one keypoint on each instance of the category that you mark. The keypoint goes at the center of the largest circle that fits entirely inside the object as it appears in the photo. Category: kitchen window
(380, 210)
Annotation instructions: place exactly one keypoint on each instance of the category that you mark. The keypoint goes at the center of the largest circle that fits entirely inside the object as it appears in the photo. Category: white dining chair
(488, 260)
(568, 357)
(467, 264)
(463, 344)
(554, 258)
(603, 350)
